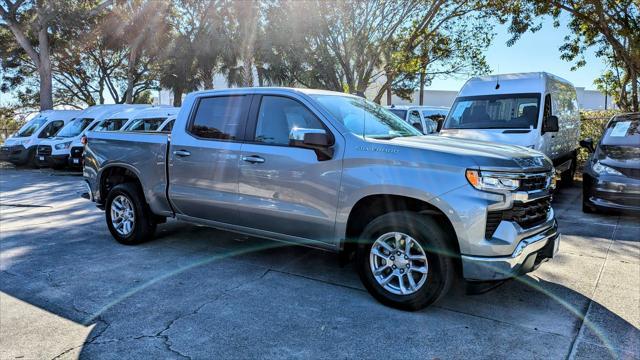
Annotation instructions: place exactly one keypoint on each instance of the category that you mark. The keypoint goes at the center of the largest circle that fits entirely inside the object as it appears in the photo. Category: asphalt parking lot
(68, 290)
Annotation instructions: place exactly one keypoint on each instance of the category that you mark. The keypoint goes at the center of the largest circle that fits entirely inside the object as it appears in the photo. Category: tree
(611, 27)
(336, 45)
(34, 23)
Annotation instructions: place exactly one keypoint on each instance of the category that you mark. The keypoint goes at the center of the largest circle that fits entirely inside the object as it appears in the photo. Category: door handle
(253, 159)
(181, 153)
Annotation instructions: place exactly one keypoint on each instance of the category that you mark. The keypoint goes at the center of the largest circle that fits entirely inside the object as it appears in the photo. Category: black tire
(31, 159)
(429, 234)
(144, 224)
(587, 207)
(568, 175)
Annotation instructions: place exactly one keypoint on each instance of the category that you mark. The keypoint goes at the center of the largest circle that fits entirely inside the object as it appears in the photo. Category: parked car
(337, 172)
(55, 152)
(534, 110)
(20, 148)
(611, 177)
(426, 119)
(150, 119)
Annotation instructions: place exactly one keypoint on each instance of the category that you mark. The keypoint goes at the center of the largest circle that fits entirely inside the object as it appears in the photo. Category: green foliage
(592, 125)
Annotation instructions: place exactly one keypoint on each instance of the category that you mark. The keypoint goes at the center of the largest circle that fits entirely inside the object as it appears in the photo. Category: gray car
(336, 172)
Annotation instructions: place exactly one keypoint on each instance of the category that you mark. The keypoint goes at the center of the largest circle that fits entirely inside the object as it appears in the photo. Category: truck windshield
(510, 111)
(74, 128)
(149, 124)
(110, 125)
(365, 118)
(32, 126)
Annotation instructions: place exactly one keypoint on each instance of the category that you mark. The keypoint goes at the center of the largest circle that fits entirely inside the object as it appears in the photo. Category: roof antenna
(497, 81)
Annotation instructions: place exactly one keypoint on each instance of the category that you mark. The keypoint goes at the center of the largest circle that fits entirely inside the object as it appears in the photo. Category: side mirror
(588, 144)
(314, 139)
(550, 124)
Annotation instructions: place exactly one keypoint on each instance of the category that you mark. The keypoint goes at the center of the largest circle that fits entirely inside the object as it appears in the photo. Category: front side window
(31, 127)
(75, 127)
(414, 120)
(278, 116)
(365, 118)
(510, 111)
(149, 124)
(51, 129)
(110, 125)
(220, 117)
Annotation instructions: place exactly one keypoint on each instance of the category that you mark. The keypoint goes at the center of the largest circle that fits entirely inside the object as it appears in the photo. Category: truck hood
(522, 137)
(487, 155)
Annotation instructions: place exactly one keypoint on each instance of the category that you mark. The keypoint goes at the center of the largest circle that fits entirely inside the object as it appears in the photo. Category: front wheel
(404, 261)
(128, 216)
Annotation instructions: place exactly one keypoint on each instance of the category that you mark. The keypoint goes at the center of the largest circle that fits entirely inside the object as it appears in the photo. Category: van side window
(278, 115)
(51, 129)
(219, 117)
(415, 121)
(547, 106)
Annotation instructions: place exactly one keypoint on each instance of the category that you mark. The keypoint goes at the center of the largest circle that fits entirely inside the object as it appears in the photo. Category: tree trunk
(131, 68)
(634, 91)
(207, 79)
(389, 95)
(44, 70)
(177, 97)
(423, 80)
(247, 73)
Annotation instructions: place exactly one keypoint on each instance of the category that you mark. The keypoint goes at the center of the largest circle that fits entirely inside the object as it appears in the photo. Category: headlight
(604, 169)
(63, 145)
(491, 182)
(23, 142)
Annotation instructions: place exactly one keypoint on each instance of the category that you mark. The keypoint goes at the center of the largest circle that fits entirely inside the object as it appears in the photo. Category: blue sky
(533, 52)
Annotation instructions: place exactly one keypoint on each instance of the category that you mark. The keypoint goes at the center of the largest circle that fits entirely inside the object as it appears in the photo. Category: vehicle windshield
(365, 118)
(402, 114)
(31, 127)
(74, 128)
(510, 111)
(150, 124)
(110, 125)
(622, 132)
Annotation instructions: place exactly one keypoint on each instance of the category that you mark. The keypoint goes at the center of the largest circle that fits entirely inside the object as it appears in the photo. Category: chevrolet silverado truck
(336, 172)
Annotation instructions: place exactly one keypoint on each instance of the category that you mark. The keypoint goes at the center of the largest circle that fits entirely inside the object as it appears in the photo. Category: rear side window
(168, 126)
(111, 125)
(150, 124)
(220, 117)
(51, 129)
(278, 116)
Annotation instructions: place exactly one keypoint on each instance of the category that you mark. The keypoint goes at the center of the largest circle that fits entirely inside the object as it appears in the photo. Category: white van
(116, 121)
(20, 148)
(55, 152)
(534, 110)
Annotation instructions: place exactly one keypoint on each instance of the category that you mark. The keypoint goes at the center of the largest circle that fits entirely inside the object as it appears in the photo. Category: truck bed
(143, 153)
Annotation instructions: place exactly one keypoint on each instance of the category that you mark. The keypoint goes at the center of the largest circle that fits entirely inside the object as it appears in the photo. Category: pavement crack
(65, 352)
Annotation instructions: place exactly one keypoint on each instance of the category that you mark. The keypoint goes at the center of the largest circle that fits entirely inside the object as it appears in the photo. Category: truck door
(286, 189)
(203, 167)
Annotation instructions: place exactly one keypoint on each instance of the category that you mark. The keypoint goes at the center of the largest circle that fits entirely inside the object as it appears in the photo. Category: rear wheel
(403, 260)
(128, 216)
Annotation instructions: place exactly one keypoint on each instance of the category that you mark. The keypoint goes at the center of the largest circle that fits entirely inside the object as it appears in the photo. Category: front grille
(532, 183)
(527, 215)
(629, 172)
(76, 151)
(44, 150)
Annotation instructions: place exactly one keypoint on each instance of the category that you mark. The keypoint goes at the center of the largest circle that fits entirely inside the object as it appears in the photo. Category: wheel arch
(371, 206)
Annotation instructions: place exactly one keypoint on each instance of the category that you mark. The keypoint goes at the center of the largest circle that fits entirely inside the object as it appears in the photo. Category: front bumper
(16, 154)
(613, 193)
(51, 160)
(527, 256)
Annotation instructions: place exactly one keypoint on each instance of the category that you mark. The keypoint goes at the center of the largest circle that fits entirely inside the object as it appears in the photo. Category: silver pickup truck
(336, 172)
